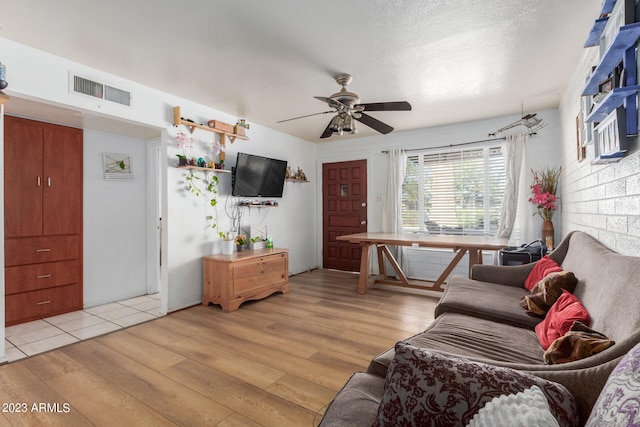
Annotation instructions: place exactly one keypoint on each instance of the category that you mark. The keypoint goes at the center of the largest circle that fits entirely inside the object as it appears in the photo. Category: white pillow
(529, 408)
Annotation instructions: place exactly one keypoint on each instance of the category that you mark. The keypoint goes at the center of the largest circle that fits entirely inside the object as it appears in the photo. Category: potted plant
(241, 242)
(258, 242)
(184, 143)
(227, 242)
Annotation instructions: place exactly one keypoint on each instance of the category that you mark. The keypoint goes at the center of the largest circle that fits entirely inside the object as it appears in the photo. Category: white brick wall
(602, 200)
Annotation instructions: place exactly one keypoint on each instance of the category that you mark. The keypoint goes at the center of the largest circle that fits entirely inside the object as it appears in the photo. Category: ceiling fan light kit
(348, 107)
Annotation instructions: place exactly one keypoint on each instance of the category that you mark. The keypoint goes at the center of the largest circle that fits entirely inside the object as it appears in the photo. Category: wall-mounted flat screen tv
(257, 176)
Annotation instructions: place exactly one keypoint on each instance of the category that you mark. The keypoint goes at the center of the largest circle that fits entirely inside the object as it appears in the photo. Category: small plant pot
(258, 245)
(240, 248)
(227, 247)
(182, 161)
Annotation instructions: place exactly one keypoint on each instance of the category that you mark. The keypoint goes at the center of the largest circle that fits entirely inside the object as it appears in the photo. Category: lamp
(334, 126)
(348, 123)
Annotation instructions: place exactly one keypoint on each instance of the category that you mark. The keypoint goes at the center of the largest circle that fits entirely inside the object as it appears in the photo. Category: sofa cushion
(546, 292)
(485, 300)
(619, 400)
(560, 318)
(356, 404)
(543, 267)
(472, 338)
(430, 389)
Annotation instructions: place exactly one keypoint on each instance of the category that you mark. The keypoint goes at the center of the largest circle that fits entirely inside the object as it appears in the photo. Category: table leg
(364, 268)
(438, 283)
(475, 257)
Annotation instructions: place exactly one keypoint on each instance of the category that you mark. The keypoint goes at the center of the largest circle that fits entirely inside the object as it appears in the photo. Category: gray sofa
(480, 319)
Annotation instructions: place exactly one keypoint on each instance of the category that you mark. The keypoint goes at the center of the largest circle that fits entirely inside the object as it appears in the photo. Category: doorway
(344, 211)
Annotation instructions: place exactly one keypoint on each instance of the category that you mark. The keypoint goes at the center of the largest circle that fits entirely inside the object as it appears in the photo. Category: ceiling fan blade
(387, 106)
(374, 123)
(327, 132)
(308, 115)
(332, 102)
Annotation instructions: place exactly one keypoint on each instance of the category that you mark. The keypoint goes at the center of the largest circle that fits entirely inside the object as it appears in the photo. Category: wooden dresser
(230, 280)
(42, 219)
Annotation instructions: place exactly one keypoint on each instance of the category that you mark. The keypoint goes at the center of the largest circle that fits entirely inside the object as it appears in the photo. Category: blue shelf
(607, 7)
(626, 38)
(613, 100)
(608, 158)
(593, 39)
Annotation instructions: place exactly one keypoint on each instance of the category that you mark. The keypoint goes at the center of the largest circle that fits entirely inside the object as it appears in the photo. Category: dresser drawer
(33, 250)
(47, 302)
(32, 277)
(257, 273)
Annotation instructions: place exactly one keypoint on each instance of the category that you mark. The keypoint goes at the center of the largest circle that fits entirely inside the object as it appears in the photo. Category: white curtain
(516, 221)
(392, 202)
(513, 151)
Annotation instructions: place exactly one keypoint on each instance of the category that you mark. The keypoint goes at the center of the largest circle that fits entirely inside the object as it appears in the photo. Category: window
(454, 191)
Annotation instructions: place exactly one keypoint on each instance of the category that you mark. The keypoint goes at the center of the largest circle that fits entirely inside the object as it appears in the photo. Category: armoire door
(23, 178)
(62, 182)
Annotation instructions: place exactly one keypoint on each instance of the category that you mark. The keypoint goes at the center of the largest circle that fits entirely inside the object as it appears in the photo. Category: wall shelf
(296, 180)
(178, 120)
(626, 38)
(593, 39)
(613, 100)
(198, 168)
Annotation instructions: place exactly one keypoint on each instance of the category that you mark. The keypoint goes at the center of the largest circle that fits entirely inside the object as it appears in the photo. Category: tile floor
(27, 339)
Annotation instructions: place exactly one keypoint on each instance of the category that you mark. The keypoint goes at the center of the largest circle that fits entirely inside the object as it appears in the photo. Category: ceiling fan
(347, 107)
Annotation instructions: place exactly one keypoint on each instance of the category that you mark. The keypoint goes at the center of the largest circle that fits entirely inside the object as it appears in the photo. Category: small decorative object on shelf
(299, 176)
(543, 191)
(3, 76)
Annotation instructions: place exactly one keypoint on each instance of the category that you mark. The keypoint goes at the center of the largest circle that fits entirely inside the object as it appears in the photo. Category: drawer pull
(43, 250)
(43, 276)
(43, 302)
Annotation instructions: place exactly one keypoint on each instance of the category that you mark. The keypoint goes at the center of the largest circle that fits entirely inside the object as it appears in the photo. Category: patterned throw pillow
(547, 291)
(619, 401)
(580, 342)
(423, 388)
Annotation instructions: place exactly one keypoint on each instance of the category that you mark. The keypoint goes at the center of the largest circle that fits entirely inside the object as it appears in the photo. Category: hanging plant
(207, 187)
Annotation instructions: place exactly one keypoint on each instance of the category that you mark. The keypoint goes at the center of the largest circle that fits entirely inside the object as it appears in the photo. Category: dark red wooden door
(344, 211)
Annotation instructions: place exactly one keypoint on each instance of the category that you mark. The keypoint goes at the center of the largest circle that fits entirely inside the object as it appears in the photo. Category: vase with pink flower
(543, 195)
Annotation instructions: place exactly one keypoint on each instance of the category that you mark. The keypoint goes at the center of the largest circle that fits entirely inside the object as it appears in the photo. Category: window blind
(454, 191)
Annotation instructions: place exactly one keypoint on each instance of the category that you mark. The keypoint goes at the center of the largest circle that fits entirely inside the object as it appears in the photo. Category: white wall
(542, 150)
(292, 224)
(602, 200)
(42, 77)
(115, 222)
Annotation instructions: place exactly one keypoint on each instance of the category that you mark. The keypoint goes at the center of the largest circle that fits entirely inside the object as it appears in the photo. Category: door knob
(363, 222)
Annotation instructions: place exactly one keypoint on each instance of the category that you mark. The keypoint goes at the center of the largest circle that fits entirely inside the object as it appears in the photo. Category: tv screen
(256, 176)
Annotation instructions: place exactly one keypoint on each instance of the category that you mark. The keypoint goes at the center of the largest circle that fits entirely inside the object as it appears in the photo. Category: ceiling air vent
(101, 90)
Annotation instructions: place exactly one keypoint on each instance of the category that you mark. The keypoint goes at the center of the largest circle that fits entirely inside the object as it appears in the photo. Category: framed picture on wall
(611, 137)
(116, 166)
(582, 151)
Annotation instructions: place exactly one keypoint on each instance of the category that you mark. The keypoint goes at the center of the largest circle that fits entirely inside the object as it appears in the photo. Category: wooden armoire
(42, 219)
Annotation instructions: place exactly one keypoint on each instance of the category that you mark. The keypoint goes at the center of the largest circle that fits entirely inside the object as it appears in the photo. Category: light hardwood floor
(274, 362)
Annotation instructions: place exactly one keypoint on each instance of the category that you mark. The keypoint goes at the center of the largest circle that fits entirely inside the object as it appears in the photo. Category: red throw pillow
(543, 267)
(560, 318)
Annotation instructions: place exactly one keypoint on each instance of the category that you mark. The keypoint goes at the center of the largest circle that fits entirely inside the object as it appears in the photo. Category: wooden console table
(474, 245)
(230, 280)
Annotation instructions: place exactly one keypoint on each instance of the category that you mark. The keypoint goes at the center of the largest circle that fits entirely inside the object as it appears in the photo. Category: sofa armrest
(510, 275)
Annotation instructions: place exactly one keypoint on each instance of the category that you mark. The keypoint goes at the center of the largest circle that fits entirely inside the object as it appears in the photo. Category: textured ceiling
(265, 60)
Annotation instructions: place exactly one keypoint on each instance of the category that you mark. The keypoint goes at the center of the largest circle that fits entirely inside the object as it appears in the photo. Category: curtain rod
(502, 138)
